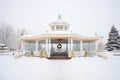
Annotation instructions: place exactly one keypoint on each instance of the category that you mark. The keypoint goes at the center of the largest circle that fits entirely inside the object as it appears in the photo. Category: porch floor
(59, 55)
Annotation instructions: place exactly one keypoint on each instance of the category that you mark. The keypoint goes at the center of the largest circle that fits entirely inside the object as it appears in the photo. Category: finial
(59, 16)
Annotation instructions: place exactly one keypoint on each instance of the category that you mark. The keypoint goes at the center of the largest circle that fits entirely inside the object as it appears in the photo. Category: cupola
(59, 25)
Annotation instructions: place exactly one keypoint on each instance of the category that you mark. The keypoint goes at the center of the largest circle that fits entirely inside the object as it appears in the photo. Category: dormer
(59, 25)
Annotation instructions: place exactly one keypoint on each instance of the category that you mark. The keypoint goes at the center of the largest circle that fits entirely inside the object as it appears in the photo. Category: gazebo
(59, 41)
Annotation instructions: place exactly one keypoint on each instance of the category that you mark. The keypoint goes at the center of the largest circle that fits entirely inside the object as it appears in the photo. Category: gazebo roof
(61, 36)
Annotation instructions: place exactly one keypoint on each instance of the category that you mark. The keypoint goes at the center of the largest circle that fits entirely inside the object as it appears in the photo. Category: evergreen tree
(118, 42)
(114, 40)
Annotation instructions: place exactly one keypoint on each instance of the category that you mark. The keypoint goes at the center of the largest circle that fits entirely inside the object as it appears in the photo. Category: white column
(71, 44)
(68, 48)
(36, 47)
(22, 45)
(71, 47)
(46, 44)
(55, 27)
(49, 47)
(96, 45)
(81, 47)
(63, 27)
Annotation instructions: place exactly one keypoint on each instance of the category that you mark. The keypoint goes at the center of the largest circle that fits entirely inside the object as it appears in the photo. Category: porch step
(59, 54)
(59, 57)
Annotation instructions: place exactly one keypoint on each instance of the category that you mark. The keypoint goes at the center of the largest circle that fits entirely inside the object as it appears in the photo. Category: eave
(61, 36)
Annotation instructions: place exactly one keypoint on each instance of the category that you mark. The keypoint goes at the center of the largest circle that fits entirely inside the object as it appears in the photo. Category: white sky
(84, 16)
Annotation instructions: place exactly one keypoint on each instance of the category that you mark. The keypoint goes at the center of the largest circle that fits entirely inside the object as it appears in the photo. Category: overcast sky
(84, 16)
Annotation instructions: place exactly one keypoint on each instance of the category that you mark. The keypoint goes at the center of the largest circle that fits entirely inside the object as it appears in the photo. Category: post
(49, 47)
(63, 27)
(68, 48)
(71, 44)
(22, 45)
(46, 44)
(81, 47)
(96, 46)
(36, 47)
(54, 27)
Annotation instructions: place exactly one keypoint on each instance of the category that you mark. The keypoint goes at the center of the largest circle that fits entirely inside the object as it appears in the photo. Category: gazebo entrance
(59, 48)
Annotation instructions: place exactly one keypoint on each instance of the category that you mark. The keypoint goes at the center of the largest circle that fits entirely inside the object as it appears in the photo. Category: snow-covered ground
(80, 68)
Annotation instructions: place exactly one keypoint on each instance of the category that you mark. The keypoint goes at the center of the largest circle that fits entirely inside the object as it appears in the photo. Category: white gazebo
(60, 41)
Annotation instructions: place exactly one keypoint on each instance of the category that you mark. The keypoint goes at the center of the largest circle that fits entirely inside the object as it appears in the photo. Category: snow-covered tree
(7, 35)
(20, 32)
(114, 40)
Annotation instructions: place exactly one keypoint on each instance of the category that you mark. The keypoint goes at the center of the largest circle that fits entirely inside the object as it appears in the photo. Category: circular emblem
(59, 46)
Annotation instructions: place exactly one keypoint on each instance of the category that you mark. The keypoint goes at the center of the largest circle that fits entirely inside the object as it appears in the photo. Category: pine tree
(114, 40)
(118, 42)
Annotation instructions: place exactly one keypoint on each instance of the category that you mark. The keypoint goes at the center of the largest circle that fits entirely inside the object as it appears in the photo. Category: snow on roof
(27, 36)
(59, 32)
(93, 36)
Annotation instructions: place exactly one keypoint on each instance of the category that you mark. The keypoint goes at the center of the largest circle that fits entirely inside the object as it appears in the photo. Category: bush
(41, 53)
(72, 53)
(45, 53)
(86, 53)
(31, 53)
